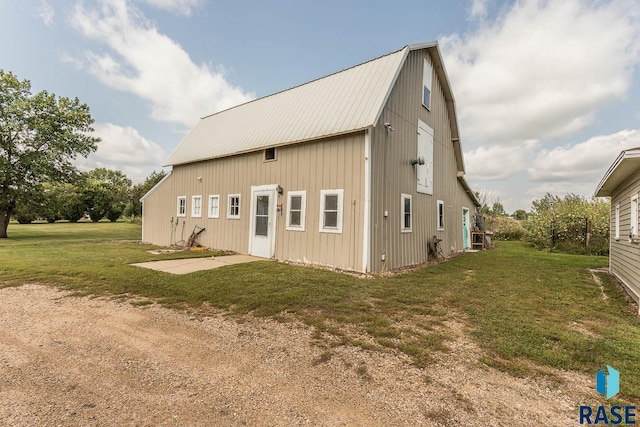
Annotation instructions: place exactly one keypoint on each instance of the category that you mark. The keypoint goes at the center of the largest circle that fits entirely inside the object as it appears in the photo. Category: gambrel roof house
(360, 170)
(622, 184)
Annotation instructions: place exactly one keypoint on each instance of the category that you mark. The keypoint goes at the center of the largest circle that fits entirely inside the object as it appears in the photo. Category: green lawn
(527, 309)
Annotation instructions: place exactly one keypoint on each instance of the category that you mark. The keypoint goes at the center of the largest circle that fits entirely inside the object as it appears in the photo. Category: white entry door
(263, 221)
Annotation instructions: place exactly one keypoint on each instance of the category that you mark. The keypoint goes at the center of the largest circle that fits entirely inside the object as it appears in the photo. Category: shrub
(573, 225)
(505, 228)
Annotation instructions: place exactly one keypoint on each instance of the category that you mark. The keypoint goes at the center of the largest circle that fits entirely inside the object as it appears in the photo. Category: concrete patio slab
(190, 265)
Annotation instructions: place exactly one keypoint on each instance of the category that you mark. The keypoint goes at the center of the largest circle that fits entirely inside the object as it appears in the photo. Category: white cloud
(583, 163)
(151, 65)
(46, 13)
(183, 7)
(479, 9)
(542, 69)
(123, 148)
(498, 162)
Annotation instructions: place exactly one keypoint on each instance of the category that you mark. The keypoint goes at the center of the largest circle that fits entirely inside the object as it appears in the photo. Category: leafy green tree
(29, 206)
(134, 207)
(40, 136)
(520, 214)
(498, 209)
(61, 201)
(106, 193)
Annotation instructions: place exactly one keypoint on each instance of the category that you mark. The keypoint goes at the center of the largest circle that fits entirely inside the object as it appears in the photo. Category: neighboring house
(357, 170)
(622, 184)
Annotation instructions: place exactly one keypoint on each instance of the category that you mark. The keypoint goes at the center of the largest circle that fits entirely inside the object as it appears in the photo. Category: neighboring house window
(331, 211)
(296, 210)
(405, 209)
(269, 154)
(424, 171)
(214, 206)
(196, 206)
(617, 222)
(440, 215)
(634, 216)
(426, 85)
(233, 209)
(182, 206)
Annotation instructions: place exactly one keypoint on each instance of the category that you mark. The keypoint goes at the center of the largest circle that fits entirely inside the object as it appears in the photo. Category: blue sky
(547, 92)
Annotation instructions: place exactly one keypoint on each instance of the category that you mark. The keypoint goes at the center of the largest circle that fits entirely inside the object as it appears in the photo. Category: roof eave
(156, 186)
(468, 190)
(606, 186)
(282, 144)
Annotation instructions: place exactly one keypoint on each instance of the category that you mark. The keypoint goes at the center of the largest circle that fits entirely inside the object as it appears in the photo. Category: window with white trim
(296, 210)
(405, 212)
(233, 206)
(617, 222)
(182, 206)
(214, 206)
(633, 230)
(196, 206)
(440, 215)
(331, 211)
(427, 74)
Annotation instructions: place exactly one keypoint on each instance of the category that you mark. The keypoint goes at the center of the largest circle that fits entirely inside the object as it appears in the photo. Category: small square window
(331, 211)
(214, 206)
(269, 154)
(182, 206)
(196, 206)
(296, 207)
(233, 209)
(406, 212)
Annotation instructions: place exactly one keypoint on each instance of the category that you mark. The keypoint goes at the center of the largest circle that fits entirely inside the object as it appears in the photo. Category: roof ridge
(304, 84)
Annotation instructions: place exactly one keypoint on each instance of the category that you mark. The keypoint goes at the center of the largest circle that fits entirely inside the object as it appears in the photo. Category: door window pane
(262, 215)
(262, 225)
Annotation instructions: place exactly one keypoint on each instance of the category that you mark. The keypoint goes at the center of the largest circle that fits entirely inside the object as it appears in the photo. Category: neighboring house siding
(625, 256)
(333, 163)
(393, 174)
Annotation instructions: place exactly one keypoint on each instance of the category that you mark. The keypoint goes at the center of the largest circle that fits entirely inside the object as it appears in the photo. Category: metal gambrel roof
(340, 103)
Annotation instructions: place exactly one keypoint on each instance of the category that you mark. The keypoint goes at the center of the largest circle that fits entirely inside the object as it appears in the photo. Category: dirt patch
(86, 361)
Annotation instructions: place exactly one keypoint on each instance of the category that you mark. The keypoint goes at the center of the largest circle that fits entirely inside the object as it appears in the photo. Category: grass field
(527, 309)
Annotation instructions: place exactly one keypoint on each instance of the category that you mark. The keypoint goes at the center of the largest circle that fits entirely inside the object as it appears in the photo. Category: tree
(520, 214)
(483, 197)
(134, 207)
(497, 209)
(61, 201)
(106, 193)
(40, 136)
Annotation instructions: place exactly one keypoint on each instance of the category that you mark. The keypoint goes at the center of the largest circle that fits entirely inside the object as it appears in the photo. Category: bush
(505, 228)
(572, 225)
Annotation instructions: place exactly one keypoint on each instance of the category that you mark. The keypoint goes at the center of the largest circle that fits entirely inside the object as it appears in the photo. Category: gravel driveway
(93, 361)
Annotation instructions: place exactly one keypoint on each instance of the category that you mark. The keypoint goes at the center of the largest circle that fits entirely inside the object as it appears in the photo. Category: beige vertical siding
(334, 163)
(393, 174)
(625, 256)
